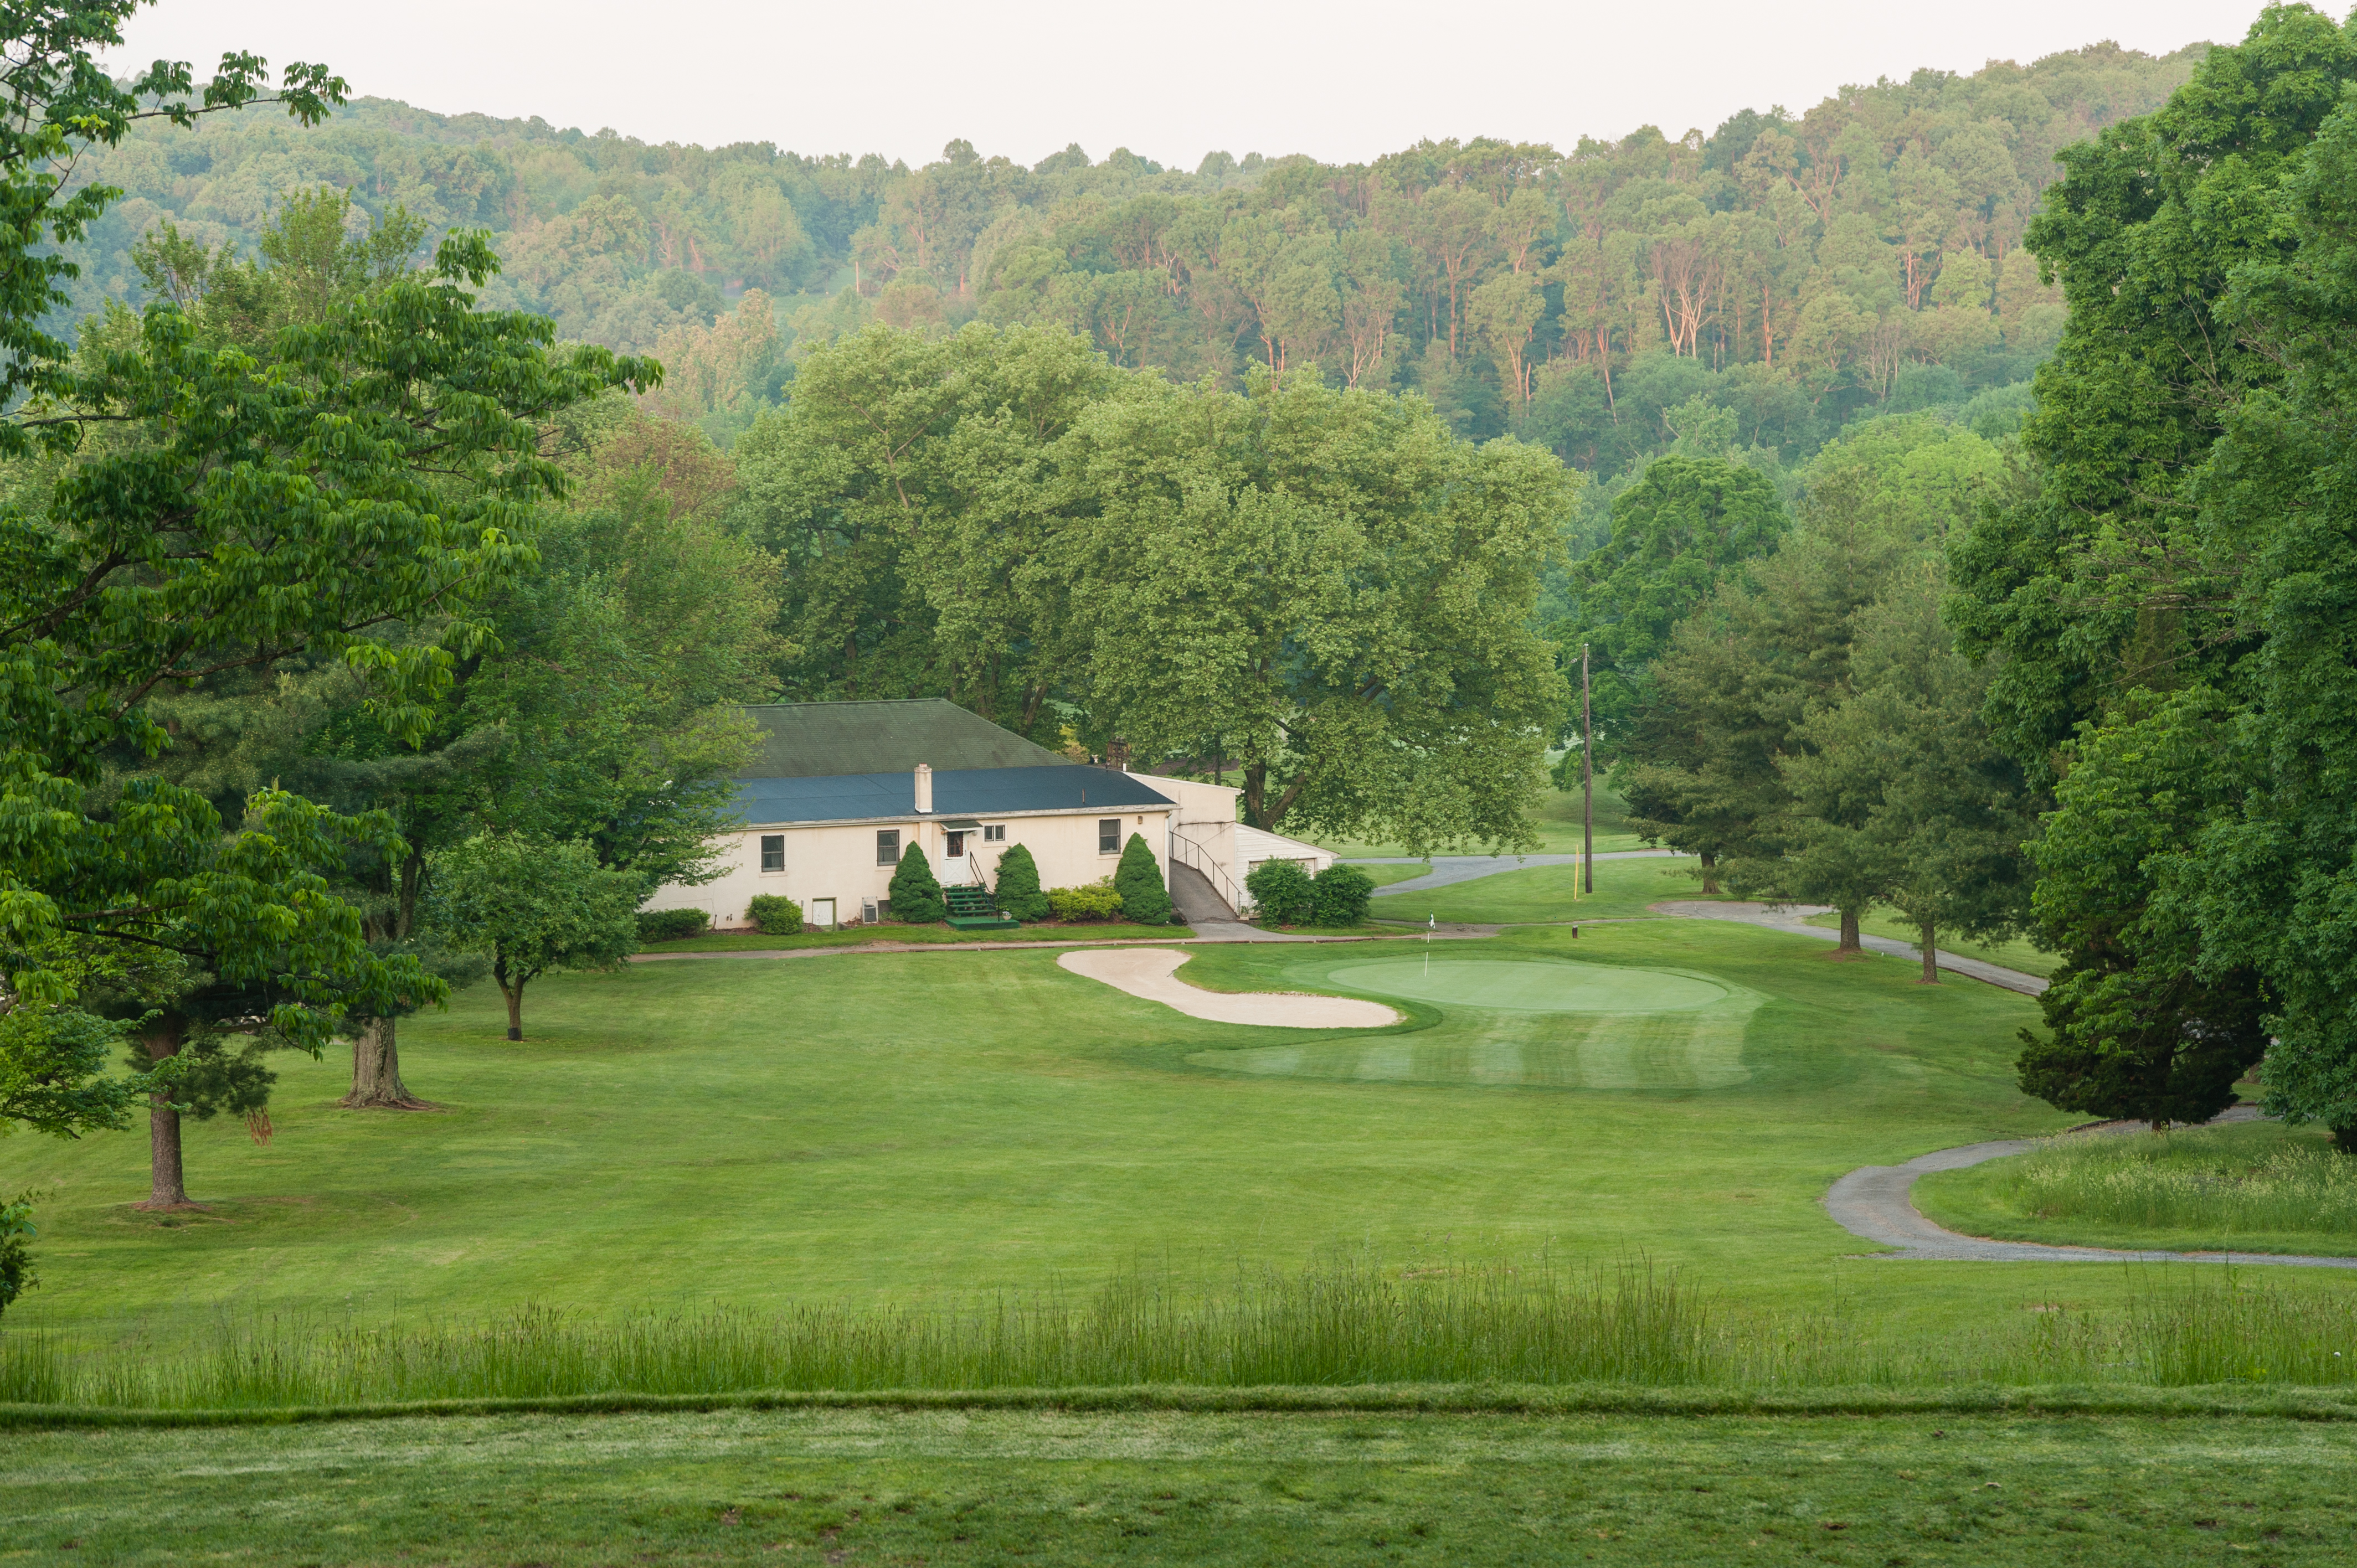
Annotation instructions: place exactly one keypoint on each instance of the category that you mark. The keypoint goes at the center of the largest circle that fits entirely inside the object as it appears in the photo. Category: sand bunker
(1148, 972)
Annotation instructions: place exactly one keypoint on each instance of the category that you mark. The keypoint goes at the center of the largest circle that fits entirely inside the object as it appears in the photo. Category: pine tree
(915, 895)
(1138, 879)
(1018, 892)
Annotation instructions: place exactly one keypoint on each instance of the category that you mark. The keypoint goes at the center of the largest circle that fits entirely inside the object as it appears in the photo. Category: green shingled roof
(828, 740)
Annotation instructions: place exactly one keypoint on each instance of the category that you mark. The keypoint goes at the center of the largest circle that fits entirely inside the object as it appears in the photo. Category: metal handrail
(1200, 859)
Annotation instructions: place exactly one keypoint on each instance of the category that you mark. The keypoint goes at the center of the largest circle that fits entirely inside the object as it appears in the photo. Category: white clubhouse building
(840, 789)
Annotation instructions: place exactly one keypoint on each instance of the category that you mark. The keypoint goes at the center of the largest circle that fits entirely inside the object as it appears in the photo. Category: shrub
(1097, 901)
(1338, 895)
(671, 924)
(1282, 892)
(916, 897)
(16, 1262)
(1138, 880)
(1018, 885)
(775, 914)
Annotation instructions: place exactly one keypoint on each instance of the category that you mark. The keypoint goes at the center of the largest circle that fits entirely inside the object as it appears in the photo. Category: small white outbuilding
(839, 790)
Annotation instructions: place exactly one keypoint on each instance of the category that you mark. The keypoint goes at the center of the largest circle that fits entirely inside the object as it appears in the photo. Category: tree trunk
(376, 1072)
(1709, 871)
(1849, 946)
(166, 1184)
(167, 1187)
(514, 994)
(1930, 959)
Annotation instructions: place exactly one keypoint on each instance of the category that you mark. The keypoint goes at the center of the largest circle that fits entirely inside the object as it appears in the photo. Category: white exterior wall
(838, 861)
(1206, 819)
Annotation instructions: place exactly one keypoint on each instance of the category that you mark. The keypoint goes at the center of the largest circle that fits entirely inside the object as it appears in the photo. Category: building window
(994, 833)
(888, 847)
(1109, 835)
(773, 852)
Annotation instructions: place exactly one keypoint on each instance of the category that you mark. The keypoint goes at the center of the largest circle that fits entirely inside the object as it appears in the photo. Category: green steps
(974, 909)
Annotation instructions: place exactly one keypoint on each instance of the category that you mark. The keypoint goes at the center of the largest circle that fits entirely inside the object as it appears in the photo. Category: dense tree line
(2096, 685)
(2168, 615)
(1792, 270)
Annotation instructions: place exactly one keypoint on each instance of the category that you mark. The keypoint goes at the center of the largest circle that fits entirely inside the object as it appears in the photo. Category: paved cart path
(1876, 1202)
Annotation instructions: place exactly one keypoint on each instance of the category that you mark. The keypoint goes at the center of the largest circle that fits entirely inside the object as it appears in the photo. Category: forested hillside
(1790, 272)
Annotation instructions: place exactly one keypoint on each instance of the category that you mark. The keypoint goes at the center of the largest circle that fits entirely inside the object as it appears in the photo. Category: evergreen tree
(1708, 756)
(1018, 892)
(1138, 879)
(1675, 534)
(915, 894)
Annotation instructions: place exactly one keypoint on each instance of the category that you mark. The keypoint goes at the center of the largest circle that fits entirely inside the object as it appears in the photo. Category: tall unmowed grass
(1335, 1326)
(2187, 1180)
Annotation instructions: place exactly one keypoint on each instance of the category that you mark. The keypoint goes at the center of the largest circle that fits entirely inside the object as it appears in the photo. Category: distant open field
(2017, 953)
(1546, 895)
(1557, 817)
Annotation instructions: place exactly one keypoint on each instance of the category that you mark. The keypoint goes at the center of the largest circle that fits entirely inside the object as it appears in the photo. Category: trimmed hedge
(774, 914)
(671, 924)
(1097, 901)
(1338, 895)
(1283, 893)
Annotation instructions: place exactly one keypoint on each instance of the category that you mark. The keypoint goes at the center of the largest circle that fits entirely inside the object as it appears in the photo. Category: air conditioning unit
(868, 911)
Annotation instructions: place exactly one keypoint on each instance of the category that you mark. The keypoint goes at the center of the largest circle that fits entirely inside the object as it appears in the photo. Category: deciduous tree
(535, 906)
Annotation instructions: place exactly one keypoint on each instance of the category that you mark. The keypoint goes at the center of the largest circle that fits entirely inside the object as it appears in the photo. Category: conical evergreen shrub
(1018, 892)
(915, 894)
(1138, 879)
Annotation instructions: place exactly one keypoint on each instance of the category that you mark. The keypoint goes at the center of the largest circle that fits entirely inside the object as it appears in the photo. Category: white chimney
(924, 787)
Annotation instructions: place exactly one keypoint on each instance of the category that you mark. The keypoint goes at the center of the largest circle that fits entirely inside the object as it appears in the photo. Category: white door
(953, 865)
(821, 914)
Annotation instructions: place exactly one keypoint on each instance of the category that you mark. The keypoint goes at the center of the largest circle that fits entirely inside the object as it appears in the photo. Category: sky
(1344, 81)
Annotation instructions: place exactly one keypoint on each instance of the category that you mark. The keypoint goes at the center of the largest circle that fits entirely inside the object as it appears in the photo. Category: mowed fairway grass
(892, 1127)
(967, 1486)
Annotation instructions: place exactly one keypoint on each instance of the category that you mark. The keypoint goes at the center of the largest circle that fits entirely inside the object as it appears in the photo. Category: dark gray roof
(832, 740)
(957, 792)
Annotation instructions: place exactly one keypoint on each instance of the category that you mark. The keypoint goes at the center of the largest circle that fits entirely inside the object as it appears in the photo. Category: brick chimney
(924, 787)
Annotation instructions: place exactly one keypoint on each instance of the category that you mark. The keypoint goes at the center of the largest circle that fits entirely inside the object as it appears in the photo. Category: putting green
(1561, 986)
(1541, 1024)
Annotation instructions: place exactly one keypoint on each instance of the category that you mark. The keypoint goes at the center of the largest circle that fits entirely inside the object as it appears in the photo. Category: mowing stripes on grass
(1534, 1024)
(1349, 1324)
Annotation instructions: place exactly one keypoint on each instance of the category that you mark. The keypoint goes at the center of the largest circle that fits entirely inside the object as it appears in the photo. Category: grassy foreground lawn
(875, 1127)
(975, 1486)
(1543, 893)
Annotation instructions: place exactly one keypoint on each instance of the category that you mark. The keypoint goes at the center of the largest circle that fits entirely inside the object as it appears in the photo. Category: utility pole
(1586, 780)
